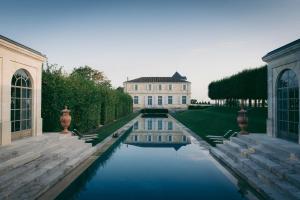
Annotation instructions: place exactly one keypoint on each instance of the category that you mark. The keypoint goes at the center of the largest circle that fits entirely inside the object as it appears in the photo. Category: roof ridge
(21, 45)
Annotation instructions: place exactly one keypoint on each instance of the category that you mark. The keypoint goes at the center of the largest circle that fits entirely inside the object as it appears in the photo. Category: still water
(157, 160)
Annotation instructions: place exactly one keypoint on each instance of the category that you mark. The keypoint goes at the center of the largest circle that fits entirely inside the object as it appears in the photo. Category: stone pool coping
(101, 148)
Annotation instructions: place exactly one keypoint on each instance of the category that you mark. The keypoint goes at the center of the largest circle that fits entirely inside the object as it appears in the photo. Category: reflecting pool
(157, 160)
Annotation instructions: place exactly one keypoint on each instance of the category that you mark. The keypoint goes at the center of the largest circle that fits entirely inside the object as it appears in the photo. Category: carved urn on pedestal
(65, 120)
(242, 120)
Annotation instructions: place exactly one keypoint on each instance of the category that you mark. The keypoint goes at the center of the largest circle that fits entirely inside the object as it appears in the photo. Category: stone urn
(65, 120)
(242, 121)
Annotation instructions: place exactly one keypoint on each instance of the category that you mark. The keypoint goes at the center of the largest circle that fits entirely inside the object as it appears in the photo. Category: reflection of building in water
(161, 132)
(155, 124)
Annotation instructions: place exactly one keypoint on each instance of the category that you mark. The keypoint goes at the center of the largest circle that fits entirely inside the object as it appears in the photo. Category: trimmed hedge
(154, 110)
(92, 103)
(249, 84)
(197, 107)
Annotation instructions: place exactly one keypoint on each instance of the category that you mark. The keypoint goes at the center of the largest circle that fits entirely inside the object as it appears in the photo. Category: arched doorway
(21, 104)
(288, 106)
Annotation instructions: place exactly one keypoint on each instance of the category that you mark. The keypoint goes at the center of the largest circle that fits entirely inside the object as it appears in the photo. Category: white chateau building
(159, 92)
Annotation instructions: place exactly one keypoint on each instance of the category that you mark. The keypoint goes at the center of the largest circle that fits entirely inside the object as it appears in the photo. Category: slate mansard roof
(21, 45)
(175, 78)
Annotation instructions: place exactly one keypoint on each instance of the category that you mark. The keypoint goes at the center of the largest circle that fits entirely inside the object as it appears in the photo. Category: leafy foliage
(87, 92)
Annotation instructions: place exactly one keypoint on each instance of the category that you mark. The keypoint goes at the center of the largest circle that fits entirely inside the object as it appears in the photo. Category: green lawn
(217, 120)
(108, 129)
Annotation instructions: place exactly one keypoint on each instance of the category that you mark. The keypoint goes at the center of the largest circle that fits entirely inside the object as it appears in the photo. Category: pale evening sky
(203, 40)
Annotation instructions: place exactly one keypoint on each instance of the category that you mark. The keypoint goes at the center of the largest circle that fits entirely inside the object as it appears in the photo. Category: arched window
(21, 101)
(288, 106)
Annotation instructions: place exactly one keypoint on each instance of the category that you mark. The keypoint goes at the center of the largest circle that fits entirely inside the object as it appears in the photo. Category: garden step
(29, 184)
(223, 157)
(294, 179)
(18, 161)
(249, 175)
(27, 141)
(9, 175)
(240, 142)
(76, 149)
(20, 148)
(248, 139)
(29, 168)
(39, 188)
(292, 165)
(234, 147)
(24, 182)
(269, 165)
(278, 146)
(276, 150)
(57, 151)
(32, 173)
(267, 177)
(81, 157)
(235, 156)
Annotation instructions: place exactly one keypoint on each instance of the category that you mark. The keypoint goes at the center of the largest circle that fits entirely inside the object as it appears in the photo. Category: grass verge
(218, 120)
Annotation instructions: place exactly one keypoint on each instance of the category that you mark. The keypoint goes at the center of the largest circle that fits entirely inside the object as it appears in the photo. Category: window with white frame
(149, 87)
(159, 125)
(170, 126)
(135, 87)
(170, 100)
(184, 87)
(136, 100)
(159, 100)
(149, 124)
(184, 138)
(159, 87)
(170, 86)
(136, 125)
(159, 138)
(21, 101)
(183, 99)
(149, 100)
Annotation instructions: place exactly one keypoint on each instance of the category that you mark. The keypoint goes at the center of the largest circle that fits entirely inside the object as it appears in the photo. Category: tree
(88, 73)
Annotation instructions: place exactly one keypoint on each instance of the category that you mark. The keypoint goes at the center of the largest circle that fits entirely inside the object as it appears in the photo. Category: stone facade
(159, 92)
(280, 60)
(17, 57)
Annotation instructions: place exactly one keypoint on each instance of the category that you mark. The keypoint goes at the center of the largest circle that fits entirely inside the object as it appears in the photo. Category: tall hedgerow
(86, 92)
